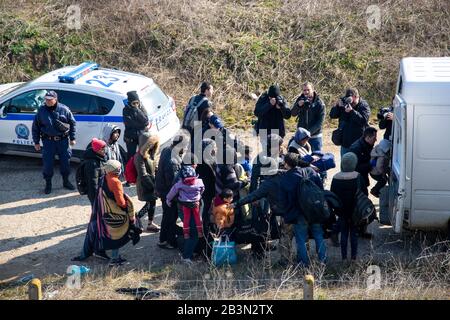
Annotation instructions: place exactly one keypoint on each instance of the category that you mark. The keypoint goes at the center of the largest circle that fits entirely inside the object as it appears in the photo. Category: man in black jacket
(353, 113)
(310, 112)
(272, 109)
(362, 148)
(386, 115)
(168, 167)
(135, 120)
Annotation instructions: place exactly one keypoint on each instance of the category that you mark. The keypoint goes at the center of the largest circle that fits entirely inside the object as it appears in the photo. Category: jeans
(347, 228)
(381, 179)
(168, 223)
(191, 243)
(302, 236)
(316, 144)
(51, 148)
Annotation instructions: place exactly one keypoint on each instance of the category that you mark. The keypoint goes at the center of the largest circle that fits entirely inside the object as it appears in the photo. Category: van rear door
(397, 181)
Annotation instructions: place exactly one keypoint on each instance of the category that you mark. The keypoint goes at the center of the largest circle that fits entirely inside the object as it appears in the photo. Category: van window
(400, 85)
(27, 102)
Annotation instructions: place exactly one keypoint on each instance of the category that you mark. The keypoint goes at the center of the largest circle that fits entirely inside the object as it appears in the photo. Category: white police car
(95, 96)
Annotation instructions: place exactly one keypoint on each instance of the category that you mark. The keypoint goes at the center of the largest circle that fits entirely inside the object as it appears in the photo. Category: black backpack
(81, 179)
(191, 113)
(312, 202)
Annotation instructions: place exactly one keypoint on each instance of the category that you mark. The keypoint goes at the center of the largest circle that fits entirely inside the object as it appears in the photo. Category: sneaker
(117, 262)
(78, 258)
(101, 255)
(153, 228)
(127, 184)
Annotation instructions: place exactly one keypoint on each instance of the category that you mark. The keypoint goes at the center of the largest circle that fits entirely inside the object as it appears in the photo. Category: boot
(67, 184)
(48, 186)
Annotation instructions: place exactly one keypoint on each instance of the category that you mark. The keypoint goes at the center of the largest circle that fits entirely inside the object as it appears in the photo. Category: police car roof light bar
(78, 72)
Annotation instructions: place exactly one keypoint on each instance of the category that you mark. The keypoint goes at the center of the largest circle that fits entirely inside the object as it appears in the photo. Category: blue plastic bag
(224, 251)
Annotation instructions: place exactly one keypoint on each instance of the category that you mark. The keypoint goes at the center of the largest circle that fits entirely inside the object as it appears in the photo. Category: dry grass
(241, 46)
(425, 277)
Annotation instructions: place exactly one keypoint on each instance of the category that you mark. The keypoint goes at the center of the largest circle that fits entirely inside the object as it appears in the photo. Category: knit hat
(97, 144)
(112, 166)
(132, 96)
(274, 91)
(301, 134)
(188, 172)
(216, 122)
(269, 166)
(349, 162)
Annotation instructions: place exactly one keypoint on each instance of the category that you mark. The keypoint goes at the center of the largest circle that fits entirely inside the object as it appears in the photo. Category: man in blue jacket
(55, 125)
(292, 214)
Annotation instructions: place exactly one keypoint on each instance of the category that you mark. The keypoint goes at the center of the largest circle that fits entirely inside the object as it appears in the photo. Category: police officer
(55, 125)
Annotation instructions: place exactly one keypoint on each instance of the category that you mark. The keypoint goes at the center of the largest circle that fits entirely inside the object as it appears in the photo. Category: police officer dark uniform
(55, 125)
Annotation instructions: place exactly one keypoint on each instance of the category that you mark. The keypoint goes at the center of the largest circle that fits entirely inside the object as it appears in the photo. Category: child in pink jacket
(189, 190)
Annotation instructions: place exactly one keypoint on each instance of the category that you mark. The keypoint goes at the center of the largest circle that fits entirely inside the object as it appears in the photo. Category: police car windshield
(154, 100)
(9, 89)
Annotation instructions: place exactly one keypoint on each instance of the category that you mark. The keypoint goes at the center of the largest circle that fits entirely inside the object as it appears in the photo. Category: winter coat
(188, 190)
(270, 117)
(312, 117)
(168, 167)
(223, 215)
(268, 189)
(287, 194)
(135, 121)
(299, 149)
(344, 185)
(145, 168)
(380, 154)
(362, 150)
(93, 172)
(352, 123)
(43, 123)
(226, 179)
(114, 151)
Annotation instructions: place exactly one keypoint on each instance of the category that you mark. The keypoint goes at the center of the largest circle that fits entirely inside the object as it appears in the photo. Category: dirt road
(40, 233)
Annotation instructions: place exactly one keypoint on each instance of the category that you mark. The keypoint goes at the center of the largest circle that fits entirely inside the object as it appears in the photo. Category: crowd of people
(224, 189)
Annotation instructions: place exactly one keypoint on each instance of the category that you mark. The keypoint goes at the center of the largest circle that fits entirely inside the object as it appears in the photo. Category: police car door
(16, 120)
(84, 107)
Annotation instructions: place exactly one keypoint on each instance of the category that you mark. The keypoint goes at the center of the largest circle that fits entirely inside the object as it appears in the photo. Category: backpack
(364, 212)
(191, 113)
(81, 179)
(312, 202)
(130, 171)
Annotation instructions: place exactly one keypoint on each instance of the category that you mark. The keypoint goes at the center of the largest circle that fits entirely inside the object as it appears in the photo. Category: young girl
(189, 190)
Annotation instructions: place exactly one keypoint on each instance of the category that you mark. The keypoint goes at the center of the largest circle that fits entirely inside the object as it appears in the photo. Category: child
(380, 163)
(189, 190)
(223, 213)
(247, 163)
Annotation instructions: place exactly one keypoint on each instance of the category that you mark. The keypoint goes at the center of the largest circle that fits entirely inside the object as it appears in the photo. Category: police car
(95, 96)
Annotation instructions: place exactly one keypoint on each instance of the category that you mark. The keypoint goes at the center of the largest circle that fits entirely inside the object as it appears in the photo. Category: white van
(418, 196)
(95, 96)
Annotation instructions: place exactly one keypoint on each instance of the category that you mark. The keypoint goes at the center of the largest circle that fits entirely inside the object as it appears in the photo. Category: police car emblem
(22, 131)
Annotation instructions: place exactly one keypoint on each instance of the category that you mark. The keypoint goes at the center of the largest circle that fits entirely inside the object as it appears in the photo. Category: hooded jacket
(113, 151)
(135, 121)
(380, 153)
(145, 166)
(168, 167)
(93, 172)
(188, 190)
